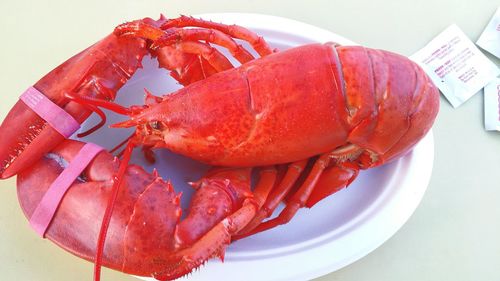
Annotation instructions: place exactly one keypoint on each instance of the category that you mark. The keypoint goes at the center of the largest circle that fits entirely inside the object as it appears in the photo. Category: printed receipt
(492, 106)
(455, 65)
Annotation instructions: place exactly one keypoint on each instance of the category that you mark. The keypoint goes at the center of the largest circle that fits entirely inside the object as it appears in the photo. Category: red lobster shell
(308, 119)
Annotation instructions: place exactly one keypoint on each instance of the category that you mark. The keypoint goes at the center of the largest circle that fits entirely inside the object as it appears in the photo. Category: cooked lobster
(308, 118)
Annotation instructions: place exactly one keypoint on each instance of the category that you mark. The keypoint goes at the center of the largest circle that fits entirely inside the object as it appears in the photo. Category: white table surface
(453, 235)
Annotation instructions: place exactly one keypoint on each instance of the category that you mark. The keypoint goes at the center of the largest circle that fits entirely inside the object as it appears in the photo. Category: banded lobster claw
(97, 72)
(146, 235)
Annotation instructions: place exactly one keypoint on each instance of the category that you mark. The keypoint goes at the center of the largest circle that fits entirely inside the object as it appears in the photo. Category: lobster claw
(133, 227)
(97, 72)
(25, 138)
(146, 235)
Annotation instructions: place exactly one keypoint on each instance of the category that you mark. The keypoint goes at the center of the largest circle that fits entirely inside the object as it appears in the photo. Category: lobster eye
(156, 125)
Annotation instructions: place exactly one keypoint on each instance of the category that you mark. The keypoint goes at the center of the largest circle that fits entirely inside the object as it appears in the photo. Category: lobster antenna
(121, 144)
(89, 101)
(117, 180)
(92, 105)
(98, 125)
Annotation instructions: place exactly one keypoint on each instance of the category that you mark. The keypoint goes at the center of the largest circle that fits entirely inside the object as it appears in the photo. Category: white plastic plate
(337, 231)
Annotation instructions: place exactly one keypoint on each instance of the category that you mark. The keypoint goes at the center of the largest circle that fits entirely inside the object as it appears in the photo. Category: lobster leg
(266, 183)
(276, 196)
(235, 31)
(332, 179)
(299, 198)
(143, 30)
(139, 28)
(216, 59)
(207, 35)
(322, 181)
(185, 68)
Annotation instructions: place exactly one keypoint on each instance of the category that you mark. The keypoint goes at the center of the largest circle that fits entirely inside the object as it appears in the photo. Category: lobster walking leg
(187, 40)
(143, 30)
(216, 59)
(324, 179)
(332, 179)
(257, 42)
(207, 35)
(299, 198)
(266, 182)
(276, 196)
(185, 68)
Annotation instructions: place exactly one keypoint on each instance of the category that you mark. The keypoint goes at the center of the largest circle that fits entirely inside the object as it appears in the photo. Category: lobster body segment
(318, 96)
(236, 116)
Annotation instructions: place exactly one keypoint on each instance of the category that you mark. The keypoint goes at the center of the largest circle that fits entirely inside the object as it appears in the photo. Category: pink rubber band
(57, 117)
(44, 212)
